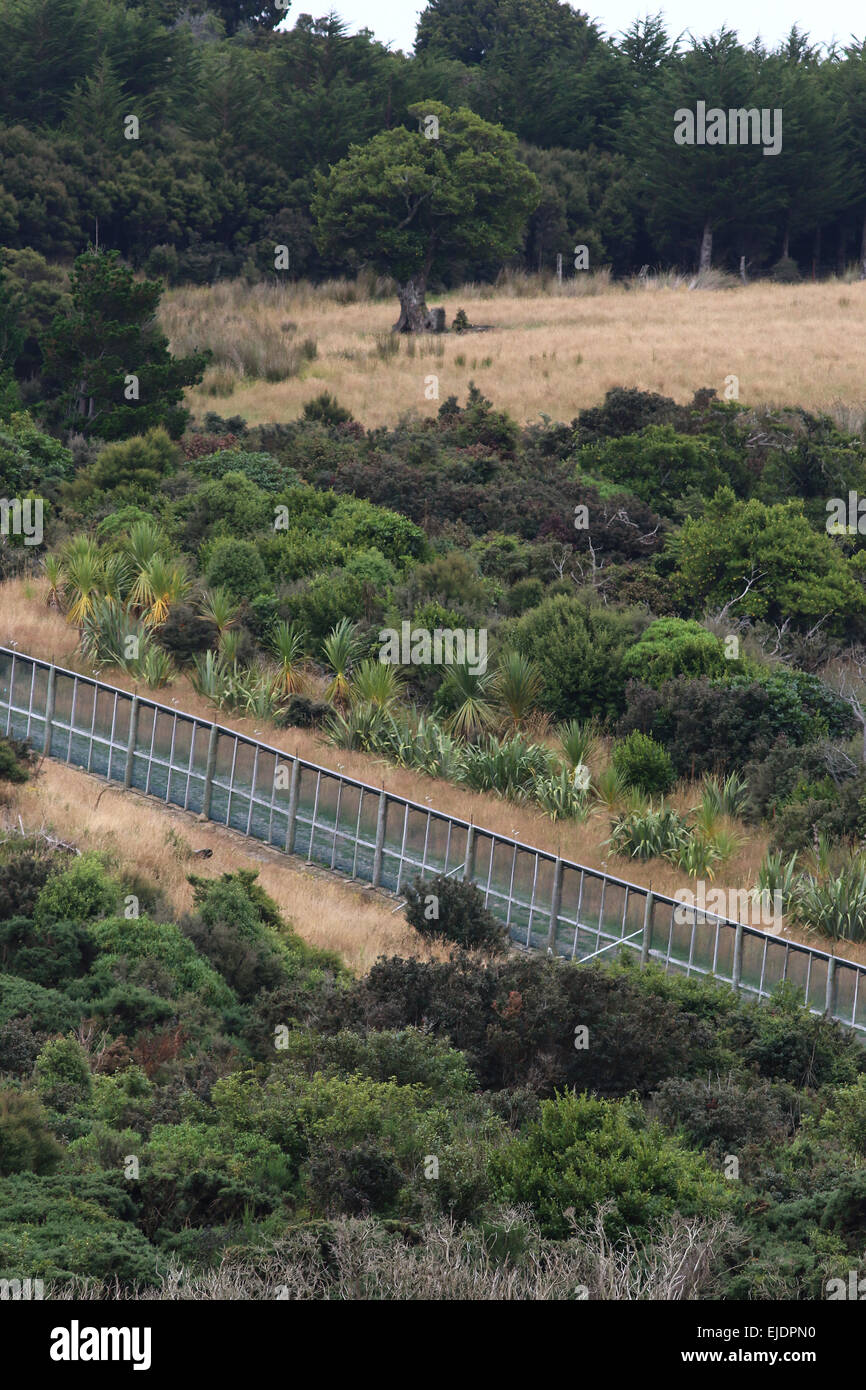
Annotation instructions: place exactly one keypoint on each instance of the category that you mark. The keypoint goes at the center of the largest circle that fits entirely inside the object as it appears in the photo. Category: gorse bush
(583, 1152)
(14, 760)
(454, 909)
(82, 892)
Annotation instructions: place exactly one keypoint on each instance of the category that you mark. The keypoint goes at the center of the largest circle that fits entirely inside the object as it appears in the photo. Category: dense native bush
(141, 463)
(792, 571)
(710, 724)
(31, 461)
(236, 566)
(660, 467)
(57, 1226)
(257, 466)
(353, 1080)
(791, 772)
(627, 411)
(722, 1115)
(45, 954)
(516, 1021)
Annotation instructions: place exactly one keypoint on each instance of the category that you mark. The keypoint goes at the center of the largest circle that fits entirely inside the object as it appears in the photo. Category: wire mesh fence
(360, 830)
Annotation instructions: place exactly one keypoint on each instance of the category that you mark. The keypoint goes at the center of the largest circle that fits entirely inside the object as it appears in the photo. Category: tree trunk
(413, 305)
(706, 259)
(863, 250)
(786, 241)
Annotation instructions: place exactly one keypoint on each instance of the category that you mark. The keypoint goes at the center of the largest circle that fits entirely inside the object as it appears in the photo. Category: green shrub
(408, 1056)
(785, 1042)
(48, 1009)
(47, 955)
(29, 459)
(139, 938)
(26, 1142)
(142, 462)
(359, 525)
(260, 468)
(644, 764)
(353, 1181)
(582, 1153)
(81, 893)
(579, 652)
(454, 908)
(24, 869)
(676, 647)
(721, 1115)
(515, 1020)
(63, 1072)
(711, 725)
(326, 409)
(661, 466)
(14, 760)
(237, 566)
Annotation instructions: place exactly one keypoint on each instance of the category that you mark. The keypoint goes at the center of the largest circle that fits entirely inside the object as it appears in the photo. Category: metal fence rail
(361, 830)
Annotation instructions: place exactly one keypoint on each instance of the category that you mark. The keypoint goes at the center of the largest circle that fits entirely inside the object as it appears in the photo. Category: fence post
(830, 999)
(210, 768)
(555, 903)
(131, 742)
(294, 787)
(646, 939)
(49, 711)
(380, 838)
(469, 856)
(738, 956)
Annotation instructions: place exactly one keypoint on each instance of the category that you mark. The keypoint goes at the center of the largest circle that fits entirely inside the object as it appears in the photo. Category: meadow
(547, 349)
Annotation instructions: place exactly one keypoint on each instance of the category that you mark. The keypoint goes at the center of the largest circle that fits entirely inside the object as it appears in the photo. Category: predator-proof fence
(548, 903)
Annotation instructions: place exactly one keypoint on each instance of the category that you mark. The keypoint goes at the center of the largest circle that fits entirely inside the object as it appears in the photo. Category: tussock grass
(549, 348)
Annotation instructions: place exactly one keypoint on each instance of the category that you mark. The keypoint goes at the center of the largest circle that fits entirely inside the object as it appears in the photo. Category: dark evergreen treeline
(235, 119)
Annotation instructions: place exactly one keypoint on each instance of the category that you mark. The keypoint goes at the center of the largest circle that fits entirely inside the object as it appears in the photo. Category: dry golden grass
(40, 631)
(552, 352)
(140, 834)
